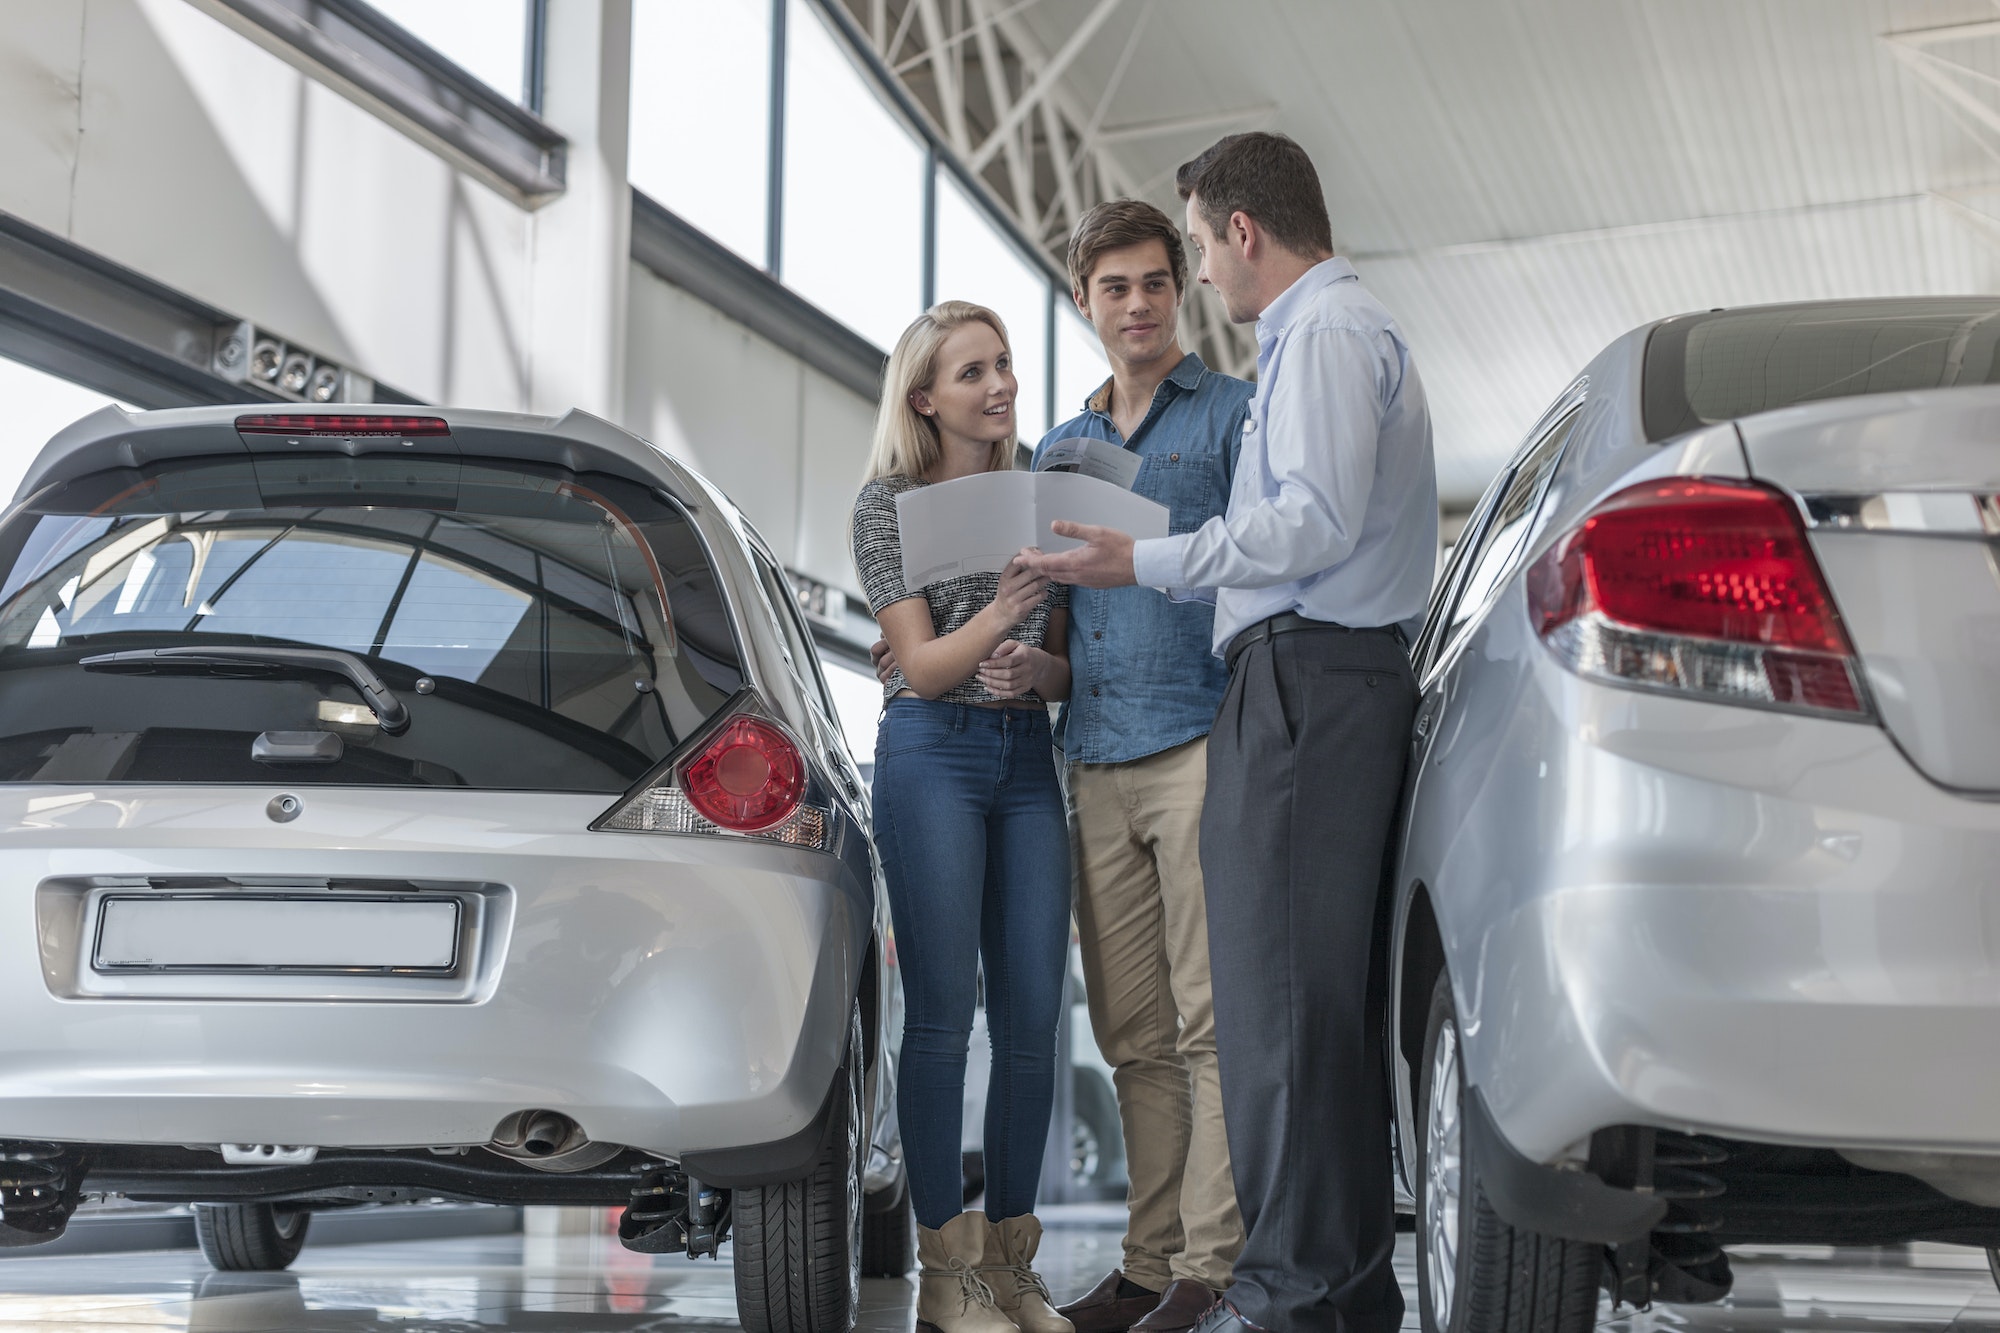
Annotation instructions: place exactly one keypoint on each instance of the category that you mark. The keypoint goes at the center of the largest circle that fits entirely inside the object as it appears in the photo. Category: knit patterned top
(878, 556)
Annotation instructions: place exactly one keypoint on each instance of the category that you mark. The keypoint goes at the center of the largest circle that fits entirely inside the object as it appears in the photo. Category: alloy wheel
(1086, 1154)
(1443, 1163)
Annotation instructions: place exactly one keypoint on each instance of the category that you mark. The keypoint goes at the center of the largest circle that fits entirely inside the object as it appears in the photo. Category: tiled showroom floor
(588, 1284)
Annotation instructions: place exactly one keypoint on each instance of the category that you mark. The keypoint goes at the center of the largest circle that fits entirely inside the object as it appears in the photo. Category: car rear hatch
(1887, 427)
(306, 616)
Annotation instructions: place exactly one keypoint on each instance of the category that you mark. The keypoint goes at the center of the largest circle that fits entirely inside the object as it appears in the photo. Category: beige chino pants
(1143, 926)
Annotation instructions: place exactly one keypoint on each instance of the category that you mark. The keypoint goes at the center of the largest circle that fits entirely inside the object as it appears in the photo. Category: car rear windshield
(545, 630)
(1729, 364)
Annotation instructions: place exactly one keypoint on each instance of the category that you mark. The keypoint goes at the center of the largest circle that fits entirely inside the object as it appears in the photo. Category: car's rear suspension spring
(1685, 1236)
(32, 1176)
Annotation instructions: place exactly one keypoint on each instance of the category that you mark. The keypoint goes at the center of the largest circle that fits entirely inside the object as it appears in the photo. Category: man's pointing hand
(1103, 561)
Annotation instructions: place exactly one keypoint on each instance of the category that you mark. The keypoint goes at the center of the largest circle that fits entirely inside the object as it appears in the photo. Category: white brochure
(976, 524)
(1093, 458)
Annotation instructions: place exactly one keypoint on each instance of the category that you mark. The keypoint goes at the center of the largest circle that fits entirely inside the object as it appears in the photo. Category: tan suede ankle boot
(952, 1295)
(1017, 1288)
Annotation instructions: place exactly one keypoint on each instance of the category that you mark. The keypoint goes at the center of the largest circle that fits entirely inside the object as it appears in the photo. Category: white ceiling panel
(1523, 180)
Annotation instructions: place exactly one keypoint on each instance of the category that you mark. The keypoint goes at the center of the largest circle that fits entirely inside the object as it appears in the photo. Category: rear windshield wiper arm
(389, 710)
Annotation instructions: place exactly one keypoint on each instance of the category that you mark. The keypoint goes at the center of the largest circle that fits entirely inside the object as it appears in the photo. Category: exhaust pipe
(549, 1141)
(546, 1134)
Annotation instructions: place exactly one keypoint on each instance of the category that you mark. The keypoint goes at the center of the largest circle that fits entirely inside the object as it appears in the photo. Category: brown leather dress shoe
(1181, 1307)
(1103, 1310)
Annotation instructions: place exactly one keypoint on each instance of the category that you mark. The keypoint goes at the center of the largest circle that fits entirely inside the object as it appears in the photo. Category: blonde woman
(969, 822)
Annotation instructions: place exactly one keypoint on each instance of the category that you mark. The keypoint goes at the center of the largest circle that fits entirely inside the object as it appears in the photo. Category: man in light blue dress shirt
(1319, 571)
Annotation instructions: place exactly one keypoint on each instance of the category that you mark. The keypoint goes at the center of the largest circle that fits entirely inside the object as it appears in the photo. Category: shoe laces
(1026, 1279)
(972, 1288)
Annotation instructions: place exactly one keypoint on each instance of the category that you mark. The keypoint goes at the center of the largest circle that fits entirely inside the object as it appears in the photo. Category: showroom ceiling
(1523, 180)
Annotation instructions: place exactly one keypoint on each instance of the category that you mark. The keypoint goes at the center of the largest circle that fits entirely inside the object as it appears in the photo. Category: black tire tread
(245, 1237)
(1510, 1280)
(1524, 1282)
(791, 1240)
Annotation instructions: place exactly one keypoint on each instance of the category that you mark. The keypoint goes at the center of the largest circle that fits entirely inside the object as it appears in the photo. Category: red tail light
(748, 778)
(1701, 586)
(343, 425)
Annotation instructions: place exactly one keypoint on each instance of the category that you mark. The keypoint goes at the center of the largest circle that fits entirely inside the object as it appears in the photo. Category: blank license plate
(284, 934)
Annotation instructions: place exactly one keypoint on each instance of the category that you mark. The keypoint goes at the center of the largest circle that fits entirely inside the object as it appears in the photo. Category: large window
(486, 38)
(854, 189)
(701, 114)
(38, 405)
(1080, 365)
(849, 208)
(977, 262)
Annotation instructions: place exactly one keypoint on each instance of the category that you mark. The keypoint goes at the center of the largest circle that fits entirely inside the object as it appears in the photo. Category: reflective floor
(562, 1277)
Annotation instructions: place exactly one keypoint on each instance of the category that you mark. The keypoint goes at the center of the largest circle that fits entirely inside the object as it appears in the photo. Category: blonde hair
(906, 441)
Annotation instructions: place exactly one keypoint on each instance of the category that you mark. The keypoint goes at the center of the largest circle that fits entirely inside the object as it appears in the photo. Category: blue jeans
(969, 822)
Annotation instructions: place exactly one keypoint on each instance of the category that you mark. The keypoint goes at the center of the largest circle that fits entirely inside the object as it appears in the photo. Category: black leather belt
(1291, 622)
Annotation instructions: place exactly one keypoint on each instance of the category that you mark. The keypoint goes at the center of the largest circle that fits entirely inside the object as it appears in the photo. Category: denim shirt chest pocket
(1187, 481)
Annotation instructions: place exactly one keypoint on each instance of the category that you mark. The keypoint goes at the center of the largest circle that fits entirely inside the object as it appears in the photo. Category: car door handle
(1425, 719)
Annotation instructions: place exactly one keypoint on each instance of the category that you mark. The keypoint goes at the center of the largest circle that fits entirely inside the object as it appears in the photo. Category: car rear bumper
(1761, 927)
(673, 994)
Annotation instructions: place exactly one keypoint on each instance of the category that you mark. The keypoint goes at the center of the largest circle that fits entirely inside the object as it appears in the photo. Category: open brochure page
(1091, 458)
(976, 524)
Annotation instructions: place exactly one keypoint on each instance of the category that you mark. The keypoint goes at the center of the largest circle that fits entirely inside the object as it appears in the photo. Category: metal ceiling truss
(1969, 93)
(998, 104)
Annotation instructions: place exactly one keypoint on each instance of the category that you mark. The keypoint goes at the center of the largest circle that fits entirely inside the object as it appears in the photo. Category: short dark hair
(1267, 176)
(1115, 224)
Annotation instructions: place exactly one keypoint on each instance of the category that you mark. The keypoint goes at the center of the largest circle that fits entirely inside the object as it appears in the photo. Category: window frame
(1440, 640)
(365, 56)
(793, 631)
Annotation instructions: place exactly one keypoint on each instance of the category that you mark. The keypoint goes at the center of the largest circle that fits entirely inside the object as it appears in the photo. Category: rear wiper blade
(389, 710)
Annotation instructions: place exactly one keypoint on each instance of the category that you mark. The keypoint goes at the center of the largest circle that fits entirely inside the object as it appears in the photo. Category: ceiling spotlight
(265, 358)
(325, 385)
(298, 369)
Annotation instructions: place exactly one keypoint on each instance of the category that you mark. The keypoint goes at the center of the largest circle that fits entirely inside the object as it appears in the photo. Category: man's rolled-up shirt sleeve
(1320, 432)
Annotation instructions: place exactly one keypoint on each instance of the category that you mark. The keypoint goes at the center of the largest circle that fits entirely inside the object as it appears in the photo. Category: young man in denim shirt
(1135, 737)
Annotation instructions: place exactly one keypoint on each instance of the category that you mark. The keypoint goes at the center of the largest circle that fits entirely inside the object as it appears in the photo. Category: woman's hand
(1013, 670)
(1019, 594)
(884, 659)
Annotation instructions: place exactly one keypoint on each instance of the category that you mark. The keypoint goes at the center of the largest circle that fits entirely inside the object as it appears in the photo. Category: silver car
(435, 805)
(1694, 938)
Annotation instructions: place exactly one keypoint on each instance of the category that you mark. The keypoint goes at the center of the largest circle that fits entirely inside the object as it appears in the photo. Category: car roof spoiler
(115, 438)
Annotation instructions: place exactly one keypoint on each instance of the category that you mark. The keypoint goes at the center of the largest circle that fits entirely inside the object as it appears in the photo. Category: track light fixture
(256, 357)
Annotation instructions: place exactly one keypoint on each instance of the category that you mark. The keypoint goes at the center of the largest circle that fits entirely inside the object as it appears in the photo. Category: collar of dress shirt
(1291, 302)
(1186, 374)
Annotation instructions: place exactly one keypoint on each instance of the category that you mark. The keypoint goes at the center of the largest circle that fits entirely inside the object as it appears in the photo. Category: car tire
(798, 1244)
(888, 1232)
(1476, 1273)
(250, 1237)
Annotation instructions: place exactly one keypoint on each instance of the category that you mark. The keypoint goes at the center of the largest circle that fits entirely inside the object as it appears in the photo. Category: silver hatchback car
(1694, 938)
(445, 804)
